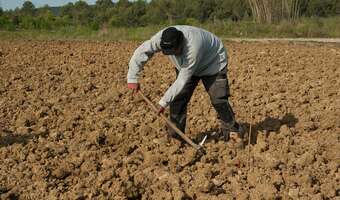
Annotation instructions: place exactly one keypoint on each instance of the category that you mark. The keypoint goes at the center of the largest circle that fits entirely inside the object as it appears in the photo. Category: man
(197, 55)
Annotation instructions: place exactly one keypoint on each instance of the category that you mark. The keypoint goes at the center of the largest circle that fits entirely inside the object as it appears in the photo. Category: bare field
(70, 129)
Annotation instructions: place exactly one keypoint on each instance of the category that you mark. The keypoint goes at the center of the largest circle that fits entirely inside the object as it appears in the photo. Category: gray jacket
(203, 55)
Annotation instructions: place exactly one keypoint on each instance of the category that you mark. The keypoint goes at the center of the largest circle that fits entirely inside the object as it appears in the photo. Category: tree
(203, 9)
(274, 11)
(44, 18)
(234, 9)
(103, 11)
(154, 13)
(123, 3)
(127, 13)
(66, 10)
(172, 10)
(28, 8)
(134, 14)
(321, 8)
(337, 7)
(82, 13)
(104, 4)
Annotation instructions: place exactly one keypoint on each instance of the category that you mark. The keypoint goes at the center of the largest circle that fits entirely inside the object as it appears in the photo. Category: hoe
(198, 147)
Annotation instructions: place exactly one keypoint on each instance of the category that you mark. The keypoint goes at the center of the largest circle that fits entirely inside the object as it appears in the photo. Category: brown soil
(71, 130)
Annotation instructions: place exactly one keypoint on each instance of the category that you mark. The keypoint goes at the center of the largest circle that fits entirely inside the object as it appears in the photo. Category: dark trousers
(218, 90)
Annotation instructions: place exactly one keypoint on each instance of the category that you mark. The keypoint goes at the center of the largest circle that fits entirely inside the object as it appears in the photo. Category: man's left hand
(161, 110)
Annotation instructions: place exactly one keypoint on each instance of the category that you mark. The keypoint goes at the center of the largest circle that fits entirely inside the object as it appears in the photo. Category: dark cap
(171, 39)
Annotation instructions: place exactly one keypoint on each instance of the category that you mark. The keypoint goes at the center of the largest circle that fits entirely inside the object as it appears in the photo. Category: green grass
(305, 27)
(82, 33)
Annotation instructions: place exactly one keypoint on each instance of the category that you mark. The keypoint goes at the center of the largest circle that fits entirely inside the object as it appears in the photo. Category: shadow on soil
(268, 125)
(8, 138)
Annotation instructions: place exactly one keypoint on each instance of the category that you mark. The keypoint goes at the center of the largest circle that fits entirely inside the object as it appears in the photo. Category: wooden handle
(173, 126)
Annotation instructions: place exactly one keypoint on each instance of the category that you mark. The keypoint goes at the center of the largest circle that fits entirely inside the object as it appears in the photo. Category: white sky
(12, 4)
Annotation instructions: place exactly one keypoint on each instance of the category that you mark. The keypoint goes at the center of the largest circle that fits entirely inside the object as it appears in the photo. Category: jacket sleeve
(141, 55)
(186, 72)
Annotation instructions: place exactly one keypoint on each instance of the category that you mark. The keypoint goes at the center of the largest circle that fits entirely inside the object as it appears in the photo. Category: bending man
(197, 55)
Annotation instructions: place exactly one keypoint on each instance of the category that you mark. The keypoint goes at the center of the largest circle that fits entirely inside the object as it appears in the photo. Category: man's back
(204, 47)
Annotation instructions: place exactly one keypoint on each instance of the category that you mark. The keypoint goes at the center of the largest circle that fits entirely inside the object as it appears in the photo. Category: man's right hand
(134, 86)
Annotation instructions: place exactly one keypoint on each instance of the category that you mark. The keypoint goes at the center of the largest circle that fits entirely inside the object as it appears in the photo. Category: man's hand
(134, 86)
(161, 110)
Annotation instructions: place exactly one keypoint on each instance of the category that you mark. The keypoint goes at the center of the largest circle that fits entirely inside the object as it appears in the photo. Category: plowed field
(70, 129)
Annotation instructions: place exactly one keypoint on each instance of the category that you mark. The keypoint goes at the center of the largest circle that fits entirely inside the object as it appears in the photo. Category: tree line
(125, 13)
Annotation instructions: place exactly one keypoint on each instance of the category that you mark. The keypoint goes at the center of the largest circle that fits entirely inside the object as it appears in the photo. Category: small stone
(100, 108)
(252, 178)
(90, 87)
(80, 197)
(43, 131)
(43, 112)
(294, 193)
(132, 191)
(310, 126)
(107, 163)
(3, 189)
(101, 139)
(104, 176)
(329, 189)
(56, 135)
(61, 173)
(11, 195)
(261, 146)
(56, 72)
(23, 130)
(305, 159)
(217, 182)
(284, 130)
(268, 191)
(206, 186)
(160, 141)
(26, 120)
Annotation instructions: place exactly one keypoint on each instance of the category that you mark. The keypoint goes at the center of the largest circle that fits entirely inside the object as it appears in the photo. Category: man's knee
(217, 100)
(219, 92)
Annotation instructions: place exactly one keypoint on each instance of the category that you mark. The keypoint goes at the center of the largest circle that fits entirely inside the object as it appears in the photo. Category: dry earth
(71, 130)
(302, 40)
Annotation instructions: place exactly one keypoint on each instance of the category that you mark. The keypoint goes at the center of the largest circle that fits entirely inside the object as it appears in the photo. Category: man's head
(172, 41)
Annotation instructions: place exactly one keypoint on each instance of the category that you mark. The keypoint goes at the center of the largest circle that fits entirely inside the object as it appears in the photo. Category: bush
(94, 26)
(26, 22)
(115, 21)
(6, 24)
(42, 23)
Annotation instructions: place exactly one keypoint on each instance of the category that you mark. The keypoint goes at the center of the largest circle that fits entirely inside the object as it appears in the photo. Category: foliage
(304, 27)
(28, 9)
(139, 13)
(6, 24)
(322, 8)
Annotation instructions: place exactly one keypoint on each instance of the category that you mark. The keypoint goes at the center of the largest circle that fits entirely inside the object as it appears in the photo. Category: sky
(12, 4)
